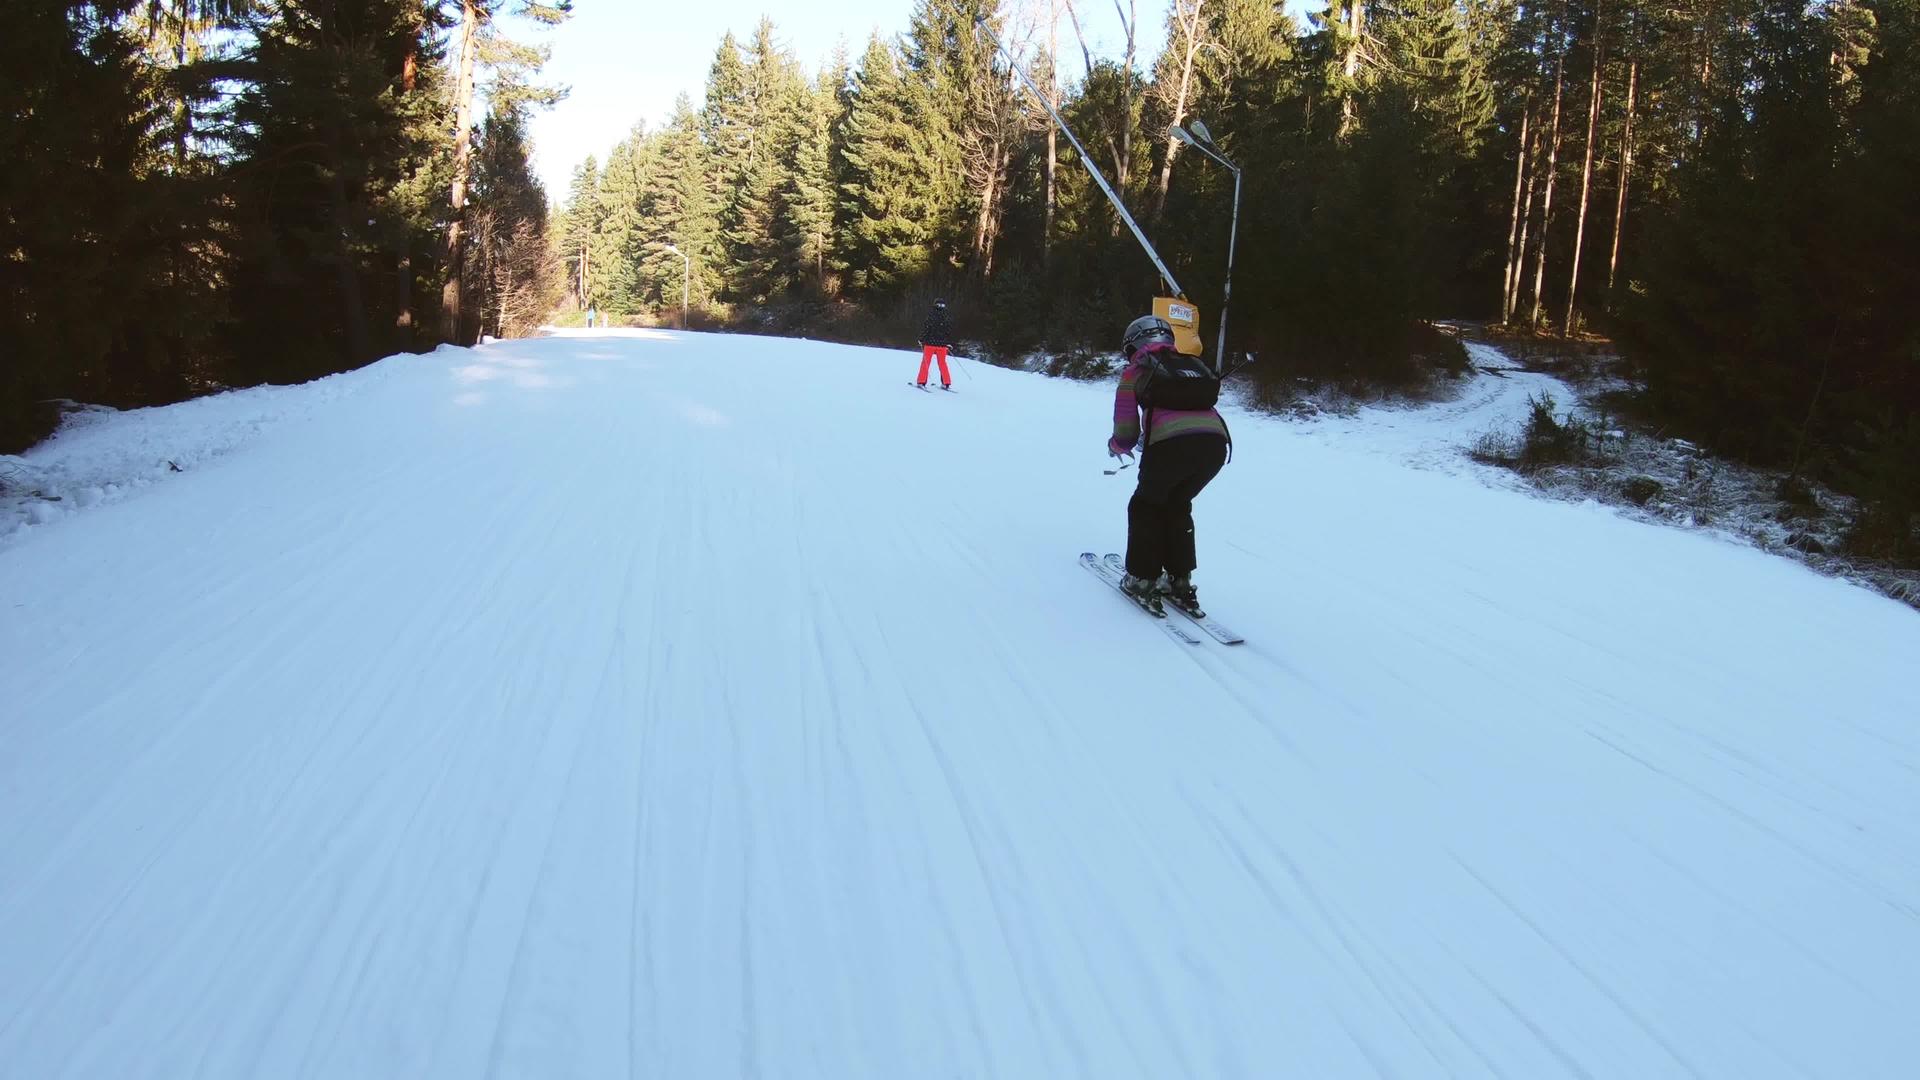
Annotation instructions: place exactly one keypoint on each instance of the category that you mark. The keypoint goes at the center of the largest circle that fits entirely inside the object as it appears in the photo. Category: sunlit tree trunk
(1526, 225)
(1053, 155)
(1546, 204)
(1626, 175)
(1586, 168)
(1514, 237)
(1188, 19)
(1350, 66)
(462, 166)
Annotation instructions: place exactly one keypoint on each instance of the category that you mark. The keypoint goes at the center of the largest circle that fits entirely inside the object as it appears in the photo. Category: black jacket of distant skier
(937, 330)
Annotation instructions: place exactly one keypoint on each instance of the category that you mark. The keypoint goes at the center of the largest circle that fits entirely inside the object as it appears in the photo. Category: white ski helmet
(1144, 330)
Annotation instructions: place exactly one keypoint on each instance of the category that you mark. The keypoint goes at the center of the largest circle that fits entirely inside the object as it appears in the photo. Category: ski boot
(1180, 592)
(1142, 591)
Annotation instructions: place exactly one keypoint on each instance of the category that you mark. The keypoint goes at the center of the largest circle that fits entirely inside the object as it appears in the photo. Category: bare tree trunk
(1513, 228)
(1053, 157)
(1129, 19)
(352, 303)
(1046, 239)
(1356, 29)
(462, 161)
(996, 198)
(182, 131)
(1546, 208)
(410, 65)
(991, 183)
(1526, 224)
(403, 290)
(1121, 148)
(1527, 221)
(1189, 22)
(994, 125)
(403, 238)
(1700, 97)
(1626, 174)
(1586, 168)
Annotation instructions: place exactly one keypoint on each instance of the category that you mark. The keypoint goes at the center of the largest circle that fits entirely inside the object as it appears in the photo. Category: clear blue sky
(626, 60)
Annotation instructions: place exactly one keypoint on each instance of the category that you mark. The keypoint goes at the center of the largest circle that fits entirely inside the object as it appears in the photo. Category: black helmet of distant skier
(1143, 331)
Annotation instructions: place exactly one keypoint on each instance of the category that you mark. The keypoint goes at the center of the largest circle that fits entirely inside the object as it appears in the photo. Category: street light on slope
(1201, 139)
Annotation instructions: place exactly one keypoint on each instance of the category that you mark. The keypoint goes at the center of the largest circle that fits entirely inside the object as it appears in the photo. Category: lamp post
(1202, 140)
(686, 279)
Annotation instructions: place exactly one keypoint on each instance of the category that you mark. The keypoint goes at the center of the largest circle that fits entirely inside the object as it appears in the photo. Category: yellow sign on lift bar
(1184, 317)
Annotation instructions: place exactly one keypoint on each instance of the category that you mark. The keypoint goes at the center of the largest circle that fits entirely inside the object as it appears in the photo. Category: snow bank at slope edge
(101, 455)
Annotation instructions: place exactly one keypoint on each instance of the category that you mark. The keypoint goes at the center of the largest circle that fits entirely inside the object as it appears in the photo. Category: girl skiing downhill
(1183, 450)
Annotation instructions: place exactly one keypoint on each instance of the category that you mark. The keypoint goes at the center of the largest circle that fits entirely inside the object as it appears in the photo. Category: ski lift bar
(1086, 159)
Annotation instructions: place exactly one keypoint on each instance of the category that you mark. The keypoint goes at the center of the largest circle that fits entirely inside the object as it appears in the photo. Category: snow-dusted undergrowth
(1670, 481)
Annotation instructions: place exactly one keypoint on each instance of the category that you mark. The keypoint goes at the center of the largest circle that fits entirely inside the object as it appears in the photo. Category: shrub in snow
(1442, 349)
(1887, 480)
(1640, 490)
(1550, 440)
(1797, 499)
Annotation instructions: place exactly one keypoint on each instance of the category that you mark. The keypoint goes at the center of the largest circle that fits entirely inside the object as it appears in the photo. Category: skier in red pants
(936, 335)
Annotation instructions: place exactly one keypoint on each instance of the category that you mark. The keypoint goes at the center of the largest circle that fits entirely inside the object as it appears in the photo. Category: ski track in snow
(649, 704)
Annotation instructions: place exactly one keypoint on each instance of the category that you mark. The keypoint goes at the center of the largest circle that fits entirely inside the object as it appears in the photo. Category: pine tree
(414, 206)
(841, 169)
(1432, 71)
(726, 126)
(682, 211)
(1431, 55)
(766, 129)
(514, 64)
(517, 273)
(1735, 305)
(807, 225)
(579, 228)
(898, 199)
(325, 135)
(966, 92)
(1880, 206)
(621, 233)
(76, 135)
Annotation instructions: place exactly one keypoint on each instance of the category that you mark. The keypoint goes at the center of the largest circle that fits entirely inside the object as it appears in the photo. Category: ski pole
(1246, 360)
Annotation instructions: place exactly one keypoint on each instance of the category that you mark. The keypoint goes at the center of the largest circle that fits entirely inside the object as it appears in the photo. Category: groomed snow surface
(646, 704)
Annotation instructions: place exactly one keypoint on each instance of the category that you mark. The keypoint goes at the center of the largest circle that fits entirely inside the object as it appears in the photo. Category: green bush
(1551, 440)
(1887, 478)
(1441, 349)
(1014, 320)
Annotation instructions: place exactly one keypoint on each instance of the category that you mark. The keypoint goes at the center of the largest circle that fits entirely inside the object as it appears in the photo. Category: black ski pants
(1160, 515)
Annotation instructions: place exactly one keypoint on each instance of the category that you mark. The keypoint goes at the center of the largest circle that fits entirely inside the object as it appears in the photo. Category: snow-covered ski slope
(641, 704)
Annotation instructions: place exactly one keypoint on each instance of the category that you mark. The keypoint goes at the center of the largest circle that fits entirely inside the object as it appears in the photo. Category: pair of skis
(929, 389)
(1112, 569)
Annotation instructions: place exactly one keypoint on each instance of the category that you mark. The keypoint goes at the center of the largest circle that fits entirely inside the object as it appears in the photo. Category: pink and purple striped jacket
(1167, 423)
